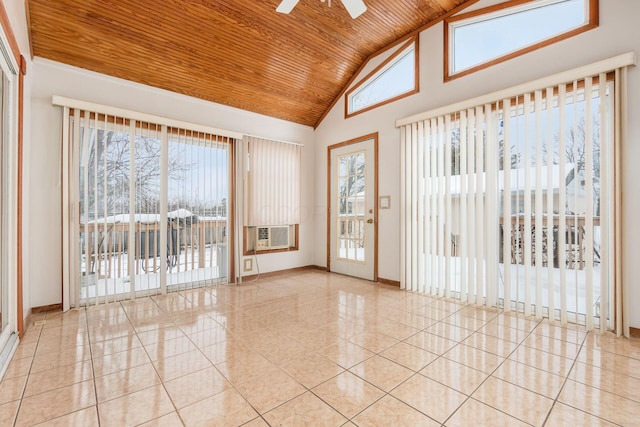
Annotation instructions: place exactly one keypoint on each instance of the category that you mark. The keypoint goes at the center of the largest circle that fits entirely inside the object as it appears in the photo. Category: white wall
(618, 33)
(51, 78)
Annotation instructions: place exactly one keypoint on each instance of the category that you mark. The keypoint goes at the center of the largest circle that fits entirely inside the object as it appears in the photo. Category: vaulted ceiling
(240, 53)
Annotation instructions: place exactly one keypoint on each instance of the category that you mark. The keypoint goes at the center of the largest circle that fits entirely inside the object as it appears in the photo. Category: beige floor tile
(223, 350)
(552, 345)
(224, 409)
(474, 358)
(196, 386)
(600, 403)
(448, 305)
(87, 417)
(312, 369)
(58, 377)
(432, 313)
(126, 381)
(55, 403)
(390, 412)
(449, 331)
(373, 341)
(246, 367)
(396, 330)
(348, 394)
(135, 408)
(12, 388)
(115, 362)
(429, 397)
(47, 361)
(516, 401)
(211, 336)
(409, 356)
(431, 343)
(116, 345)
(346, 354)
(610, 361)
(475, 413)
(542, 360)
(18, 367)
(571, 333)
(455, 375)
(103, 333)
(305, 410)
(504, 332)
(143, 324)
(536, 380)
(491, 344)
(169, 420)
(516, 321)
(563, 415)
(486, 314)
(158, 335)
(181, 364)
(8, 412)
(381, 372)
(203, 323)
(460, 320)
(259, 392)
(27, 349)
(611, 381)
(256, 422)
(168, 348)
(610, 343)
(413, 320)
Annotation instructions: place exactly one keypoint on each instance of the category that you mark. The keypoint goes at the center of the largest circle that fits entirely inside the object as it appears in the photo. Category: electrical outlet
(248, 264)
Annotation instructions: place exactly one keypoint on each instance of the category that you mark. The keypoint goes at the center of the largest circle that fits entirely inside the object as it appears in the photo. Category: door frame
(359, 139)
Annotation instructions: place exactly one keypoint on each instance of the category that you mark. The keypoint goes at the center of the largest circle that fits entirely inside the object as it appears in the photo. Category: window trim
(379, 70)
(593, 22)
(249, 248)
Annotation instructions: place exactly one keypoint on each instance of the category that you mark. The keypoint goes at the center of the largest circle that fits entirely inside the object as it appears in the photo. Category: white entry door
(353, 208)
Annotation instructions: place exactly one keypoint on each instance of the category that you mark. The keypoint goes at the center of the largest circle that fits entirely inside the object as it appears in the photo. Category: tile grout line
(24, 390)
(151, 361)
(492, 372)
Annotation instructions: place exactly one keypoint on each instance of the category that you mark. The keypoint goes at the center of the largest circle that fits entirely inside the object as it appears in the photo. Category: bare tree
(108, 169)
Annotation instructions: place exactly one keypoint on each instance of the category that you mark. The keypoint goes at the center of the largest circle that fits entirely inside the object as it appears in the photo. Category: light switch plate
(385, 202)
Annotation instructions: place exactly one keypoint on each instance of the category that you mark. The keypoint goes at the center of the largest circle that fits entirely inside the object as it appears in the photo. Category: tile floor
(314, 349)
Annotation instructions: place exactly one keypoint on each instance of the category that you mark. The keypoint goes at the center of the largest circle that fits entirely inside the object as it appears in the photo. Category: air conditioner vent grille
(279, 237)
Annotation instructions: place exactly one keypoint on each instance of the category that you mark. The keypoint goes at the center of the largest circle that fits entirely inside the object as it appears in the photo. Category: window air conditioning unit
(274, 237)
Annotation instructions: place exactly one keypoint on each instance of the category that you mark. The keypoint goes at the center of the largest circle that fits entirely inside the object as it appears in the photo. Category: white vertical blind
(509, 201)
(272, 183)
(152, 199)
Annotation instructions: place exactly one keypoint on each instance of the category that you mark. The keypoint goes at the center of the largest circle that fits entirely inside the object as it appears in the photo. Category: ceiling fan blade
(354, 7)
(286, 6)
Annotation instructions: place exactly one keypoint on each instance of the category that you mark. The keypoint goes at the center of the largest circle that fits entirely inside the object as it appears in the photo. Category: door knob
(369, 221)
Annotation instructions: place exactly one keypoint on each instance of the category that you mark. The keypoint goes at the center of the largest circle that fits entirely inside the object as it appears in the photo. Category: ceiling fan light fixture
(354, 7)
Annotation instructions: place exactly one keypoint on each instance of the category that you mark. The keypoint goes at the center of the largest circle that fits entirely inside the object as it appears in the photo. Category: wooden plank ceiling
(240, 53)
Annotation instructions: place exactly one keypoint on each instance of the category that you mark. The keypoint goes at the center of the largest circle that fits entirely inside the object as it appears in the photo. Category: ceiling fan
(354, 7)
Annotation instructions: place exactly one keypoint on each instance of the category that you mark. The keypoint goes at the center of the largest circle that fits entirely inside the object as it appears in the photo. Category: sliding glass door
(8, 204)
(152, 204)
(511, 203)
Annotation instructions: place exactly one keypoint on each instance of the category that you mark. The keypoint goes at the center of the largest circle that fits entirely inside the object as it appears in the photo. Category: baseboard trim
(281, 272)
(43, 308)
(389, 282)
(634, 332)
(27, 321)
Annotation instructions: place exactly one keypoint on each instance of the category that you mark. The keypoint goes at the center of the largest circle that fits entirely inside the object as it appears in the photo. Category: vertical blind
(272, 182)
(149, 204)
(509, 200)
